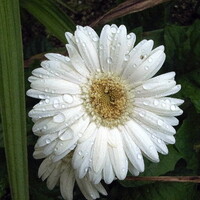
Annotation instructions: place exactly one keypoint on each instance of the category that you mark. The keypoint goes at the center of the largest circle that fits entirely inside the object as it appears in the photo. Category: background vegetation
(176, 24)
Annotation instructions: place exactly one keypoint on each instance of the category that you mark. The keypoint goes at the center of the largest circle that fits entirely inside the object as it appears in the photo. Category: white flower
(62, 171)
(103, 103)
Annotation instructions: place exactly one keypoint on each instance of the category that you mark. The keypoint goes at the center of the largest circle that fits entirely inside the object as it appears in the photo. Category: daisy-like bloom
(102, 102)
(62, 171)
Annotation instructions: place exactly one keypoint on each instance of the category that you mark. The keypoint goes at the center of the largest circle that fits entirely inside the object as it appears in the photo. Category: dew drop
(80, 135)
(44, 127)
(160, 122)
(146, 68)
(92, 195)
(146, 103)
(67, 59)
(41, 96)
(129, 37)
(159, 141)
(56, 103)
(95, 39)
(163, 105)
(139, 156)
(47, 141)
(134, 65)
(150, 60)
(142, 114)
(109, 60)
(151, 148)
(155, 102)
(153, 136)
(86, 169)
(173, 107)
(101, 47)
(68, 98)
(47, 101)
(43, 109)
(118, 44)
(59, 118)
(67, 135)
(126, 57)
(46, 89)
(56, 149)
(61, 144)
(113, 29)
(80, 153)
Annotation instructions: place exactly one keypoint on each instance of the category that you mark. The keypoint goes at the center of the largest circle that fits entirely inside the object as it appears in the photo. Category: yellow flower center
(107, 100)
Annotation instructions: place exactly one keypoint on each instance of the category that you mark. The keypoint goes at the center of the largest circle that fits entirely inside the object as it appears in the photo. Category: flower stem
(12, 99)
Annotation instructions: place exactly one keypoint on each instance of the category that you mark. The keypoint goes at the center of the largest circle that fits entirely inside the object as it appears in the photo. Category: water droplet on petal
(109, 60)
(142, 114)
(92, 195)
(113, 29)
(173, 107)
(41, 96)
(134, 65)
(129, 37)
(47, 101)
(151, 148)
(56, 103)
(80, 153)
(160, 122)
(146, 103)
(48, 141)
(155, 102)
(56, 149)
(159, 141)
(95, 39)
(146, 68)
(101, 47)
(80, 135)
(59, 118)
(139, 156)
(68, 98)
(163, 105)
(150, 60)
(126, 58)
(44, 127)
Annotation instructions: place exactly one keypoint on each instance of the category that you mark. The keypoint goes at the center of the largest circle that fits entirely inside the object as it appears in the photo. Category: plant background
(176, 24)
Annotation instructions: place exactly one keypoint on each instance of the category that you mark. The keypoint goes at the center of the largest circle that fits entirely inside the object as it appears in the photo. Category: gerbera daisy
(103, 100)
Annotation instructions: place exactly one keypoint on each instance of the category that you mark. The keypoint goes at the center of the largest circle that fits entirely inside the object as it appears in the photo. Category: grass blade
(12, 100)
(50, 15)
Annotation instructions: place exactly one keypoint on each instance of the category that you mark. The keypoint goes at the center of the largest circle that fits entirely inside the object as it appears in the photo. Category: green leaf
(164, 191)
(187, 136)
(50, 15)
(12, 99)
(191, 88)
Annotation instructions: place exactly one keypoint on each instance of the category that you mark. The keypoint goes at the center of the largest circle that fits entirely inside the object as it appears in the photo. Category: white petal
(40, 94)
(105, 41)
(154, 89)
(63, 71)
(77, 61)
(118, 158)
(159, 106)
(153, 121)
(118, 50)
(87, 50)
(108, 173)
(100, 149)
(133, 170)
(71, 39)
(56, 86)
(67, 180)
(149, 67)
(54, 177)
(142, 140)
(132, 151)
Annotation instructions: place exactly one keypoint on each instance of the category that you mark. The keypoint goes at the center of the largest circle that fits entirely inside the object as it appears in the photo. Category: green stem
(12, 100)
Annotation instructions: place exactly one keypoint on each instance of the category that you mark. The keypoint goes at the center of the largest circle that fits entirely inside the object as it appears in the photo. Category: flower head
(102, 102)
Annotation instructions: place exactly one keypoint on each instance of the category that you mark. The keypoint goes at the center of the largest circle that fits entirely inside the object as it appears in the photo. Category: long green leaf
(50, 15)
(12, 99)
